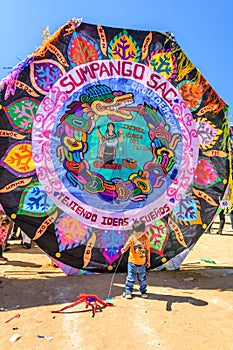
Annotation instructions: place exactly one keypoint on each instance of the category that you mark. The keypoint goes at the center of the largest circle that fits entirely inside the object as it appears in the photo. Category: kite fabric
(101, 126)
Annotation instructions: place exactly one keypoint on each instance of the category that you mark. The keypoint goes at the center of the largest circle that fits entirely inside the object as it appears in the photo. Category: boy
(139, 259)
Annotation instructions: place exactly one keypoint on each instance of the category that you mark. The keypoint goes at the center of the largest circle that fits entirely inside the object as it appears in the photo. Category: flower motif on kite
(192, 92)
(82, 49)
(208, 134)
(206, 174)
(44, 73)
(21, 113)
(34, 201)
(163, 62)
(70, 233)
(124, 47)
(187, 211)
(110, 242)
(158, 233)
(18, 159)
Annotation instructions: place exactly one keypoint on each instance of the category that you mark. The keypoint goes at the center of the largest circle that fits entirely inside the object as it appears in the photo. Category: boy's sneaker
(2, 259)
(128, 296)
(144, 296)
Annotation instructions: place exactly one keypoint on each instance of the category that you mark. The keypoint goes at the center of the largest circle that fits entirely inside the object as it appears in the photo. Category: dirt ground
(191, 308)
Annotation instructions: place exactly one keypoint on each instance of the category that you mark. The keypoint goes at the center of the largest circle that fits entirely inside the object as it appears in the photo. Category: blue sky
(203, 29)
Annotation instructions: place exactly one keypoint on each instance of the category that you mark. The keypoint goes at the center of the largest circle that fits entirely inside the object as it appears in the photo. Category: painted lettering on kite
(109, 221)
(43, 227)
(14, 135)
(106, 69)
(155, 214)
(18, 183)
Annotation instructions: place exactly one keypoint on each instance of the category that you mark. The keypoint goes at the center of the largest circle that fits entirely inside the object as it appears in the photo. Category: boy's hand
(148, 264)
(122, 250)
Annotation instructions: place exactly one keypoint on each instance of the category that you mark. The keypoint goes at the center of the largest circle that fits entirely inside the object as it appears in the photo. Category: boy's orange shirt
(138, 248)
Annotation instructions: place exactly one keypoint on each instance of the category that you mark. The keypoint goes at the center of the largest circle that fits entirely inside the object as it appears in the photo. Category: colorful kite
(100, 126)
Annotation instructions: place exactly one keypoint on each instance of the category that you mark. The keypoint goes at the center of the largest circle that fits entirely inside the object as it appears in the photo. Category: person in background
(19, 234)
(4, 229)
(26, 241)
(2, 258)
(222, 221)
(231, 218)
(15, 232)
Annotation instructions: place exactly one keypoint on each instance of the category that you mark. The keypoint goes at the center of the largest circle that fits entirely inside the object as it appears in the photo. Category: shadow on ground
(31, 289)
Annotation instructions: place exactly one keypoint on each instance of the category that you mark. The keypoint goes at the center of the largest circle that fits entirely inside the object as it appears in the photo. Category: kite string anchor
(89, 300)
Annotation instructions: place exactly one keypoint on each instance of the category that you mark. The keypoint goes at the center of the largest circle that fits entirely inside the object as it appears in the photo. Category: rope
(113, 276)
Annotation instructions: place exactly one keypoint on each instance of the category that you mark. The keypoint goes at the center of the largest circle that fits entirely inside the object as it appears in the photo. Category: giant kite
(100, 126)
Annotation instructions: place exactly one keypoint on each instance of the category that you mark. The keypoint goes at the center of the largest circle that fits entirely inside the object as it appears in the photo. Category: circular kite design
(100, 126)
(92, 130)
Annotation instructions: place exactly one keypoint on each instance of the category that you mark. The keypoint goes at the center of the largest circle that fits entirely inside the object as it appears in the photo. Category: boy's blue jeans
(133, 272)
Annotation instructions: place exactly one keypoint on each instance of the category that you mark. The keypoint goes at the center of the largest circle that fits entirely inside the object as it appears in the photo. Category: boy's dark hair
(139, 226)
